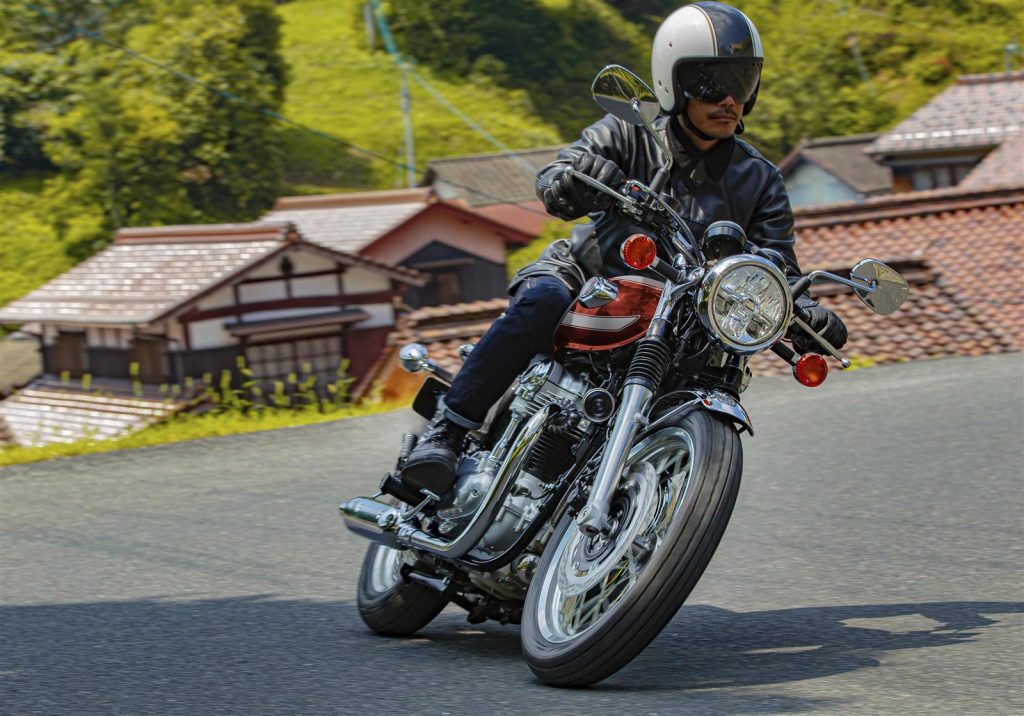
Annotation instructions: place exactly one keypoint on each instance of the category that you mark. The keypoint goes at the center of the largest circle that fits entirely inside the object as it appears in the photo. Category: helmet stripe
(711, 26)
(732, 30)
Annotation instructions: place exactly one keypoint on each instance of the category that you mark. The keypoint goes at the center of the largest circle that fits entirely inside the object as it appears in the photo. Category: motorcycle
(591, 501)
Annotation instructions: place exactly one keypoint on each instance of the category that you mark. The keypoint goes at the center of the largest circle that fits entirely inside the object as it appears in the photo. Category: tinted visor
(713, 81)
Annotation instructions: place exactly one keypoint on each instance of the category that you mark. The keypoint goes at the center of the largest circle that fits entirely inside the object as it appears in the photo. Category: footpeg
(393, 486)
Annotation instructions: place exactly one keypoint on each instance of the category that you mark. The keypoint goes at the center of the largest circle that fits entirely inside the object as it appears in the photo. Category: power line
(273, 114)
(407, 65)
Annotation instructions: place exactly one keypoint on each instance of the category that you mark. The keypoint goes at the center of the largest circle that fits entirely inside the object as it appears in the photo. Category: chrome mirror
(413, 357)
(597, 292)
(883, 289)
(624, 95)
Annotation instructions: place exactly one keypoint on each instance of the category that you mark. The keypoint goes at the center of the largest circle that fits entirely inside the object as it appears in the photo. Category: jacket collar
(697, 166)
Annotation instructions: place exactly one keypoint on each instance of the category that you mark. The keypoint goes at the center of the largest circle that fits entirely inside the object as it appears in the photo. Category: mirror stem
(659, 180)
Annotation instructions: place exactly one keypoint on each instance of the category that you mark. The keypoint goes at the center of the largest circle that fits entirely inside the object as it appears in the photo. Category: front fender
(716, 401)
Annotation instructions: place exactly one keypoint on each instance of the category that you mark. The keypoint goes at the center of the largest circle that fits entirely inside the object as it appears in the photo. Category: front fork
(644, 376)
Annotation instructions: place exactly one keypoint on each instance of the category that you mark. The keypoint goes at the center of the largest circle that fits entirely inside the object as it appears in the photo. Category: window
(318, 356)
(448, 287)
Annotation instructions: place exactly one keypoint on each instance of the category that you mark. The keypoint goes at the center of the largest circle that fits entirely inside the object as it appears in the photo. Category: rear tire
(568, 640)
(387, 603)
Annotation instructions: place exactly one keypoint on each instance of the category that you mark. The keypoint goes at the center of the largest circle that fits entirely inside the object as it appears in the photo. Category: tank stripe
(610, 324)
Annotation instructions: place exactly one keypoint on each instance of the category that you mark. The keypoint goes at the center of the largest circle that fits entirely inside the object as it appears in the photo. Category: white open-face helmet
(706, 51)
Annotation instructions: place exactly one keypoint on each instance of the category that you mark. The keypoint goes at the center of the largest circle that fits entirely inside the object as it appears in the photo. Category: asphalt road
(874, 565)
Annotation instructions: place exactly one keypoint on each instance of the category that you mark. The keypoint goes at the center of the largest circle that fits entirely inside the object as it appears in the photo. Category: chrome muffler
(371, 519)
(383, 523)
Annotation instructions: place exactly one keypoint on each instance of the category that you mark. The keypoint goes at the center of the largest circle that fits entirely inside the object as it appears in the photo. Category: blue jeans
(524, 330)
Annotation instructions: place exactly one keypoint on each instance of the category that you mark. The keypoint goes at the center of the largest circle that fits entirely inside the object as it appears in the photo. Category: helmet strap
(693, 127)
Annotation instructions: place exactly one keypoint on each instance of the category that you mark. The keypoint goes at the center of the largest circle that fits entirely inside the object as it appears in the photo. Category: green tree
(146, 144)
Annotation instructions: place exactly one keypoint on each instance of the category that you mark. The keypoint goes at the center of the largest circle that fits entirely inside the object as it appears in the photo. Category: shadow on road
(266, 654)
(706, 647)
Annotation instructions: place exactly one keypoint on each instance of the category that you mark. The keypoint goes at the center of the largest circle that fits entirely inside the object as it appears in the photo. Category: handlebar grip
(784, 352)
(668, 271)
(800, 287)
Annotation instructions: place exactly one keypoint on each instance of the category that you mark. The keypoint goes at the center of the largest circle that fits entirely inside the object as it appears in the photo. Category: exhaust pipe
(371, 519)
(382, 523)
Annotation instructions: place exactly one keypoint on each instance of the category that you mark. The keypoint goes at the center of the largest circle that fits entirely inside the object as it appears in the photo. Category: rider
(706, 64)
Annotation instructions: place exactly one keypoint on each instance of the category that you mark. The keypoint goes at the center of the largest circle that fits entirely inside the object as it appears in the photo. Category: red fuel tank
(615, 324)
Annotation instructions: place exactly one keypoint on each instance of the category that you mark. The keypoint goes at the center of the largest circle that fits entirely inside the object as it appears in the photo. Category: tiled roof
(932, 323)
(444, 328)
(845, 158)
(485, 179)
(148, 272)
(977, 111)
(45, 413)
(349, 222)
(973, 238)
(1004, 165)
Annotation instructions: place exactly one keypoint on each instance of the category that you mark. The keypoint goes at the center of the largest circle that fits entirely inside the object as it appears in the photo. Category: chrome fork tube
(636, 402)
(593, 518)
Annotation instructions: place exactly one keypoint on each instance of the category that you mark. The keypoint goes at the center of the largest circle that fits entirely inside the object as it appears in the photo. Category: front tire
(593, 605)
(387, 603)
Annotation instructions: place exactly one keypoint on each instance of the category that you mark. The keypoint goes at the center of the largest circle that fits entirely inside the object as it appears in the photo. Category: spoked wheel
(597, 602)
(386, 602)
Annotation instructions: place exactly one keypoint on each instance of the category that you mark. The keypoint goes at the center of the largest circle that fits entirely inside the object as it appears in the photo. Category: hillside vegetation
(94, 138)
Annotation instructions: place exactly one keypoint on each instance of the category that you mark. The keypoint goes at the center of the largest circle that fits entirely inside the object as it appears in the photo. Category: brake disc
(587, 560)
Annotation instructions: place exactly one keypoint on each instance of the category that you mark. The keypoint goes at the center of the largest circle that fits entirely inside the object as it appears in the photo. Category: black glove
(570, 198)
(825, 322)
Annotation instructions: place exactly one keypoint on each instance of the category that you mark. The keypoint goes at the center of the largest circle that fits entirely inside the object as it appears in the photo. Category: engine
(544, 384)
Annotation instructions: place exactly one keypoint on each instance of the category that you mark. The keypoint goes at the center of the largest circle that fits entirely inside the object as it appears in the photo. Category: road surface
(874, 565)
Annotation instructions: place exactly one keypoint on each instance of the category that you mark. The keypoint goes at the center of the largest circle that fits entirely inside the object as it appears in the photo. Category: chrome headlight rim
(709, 287)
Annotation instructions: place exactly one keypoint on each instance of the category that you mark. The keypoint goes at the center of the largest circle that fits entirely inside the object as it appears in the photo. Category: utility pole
(1009, 51)
(371, 29)
(406, 102)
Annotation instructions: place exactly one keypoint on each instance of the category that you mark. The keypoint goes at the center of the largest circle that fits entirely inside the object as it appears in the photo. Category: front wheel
(387, 603)
(595, 603)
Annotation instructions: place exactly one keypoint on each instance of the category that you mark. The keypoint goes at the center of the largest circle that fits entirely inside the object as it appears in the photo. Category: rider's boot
(431, 464)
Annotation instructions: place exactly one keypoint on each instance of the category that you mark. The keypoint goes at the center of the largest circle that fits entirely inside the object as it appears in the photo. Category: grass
(339, 85)
(185, 427)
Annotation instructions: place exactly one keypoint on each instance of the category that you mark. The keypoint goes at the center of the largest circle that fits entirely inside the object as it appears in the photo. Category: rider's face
(718, 119)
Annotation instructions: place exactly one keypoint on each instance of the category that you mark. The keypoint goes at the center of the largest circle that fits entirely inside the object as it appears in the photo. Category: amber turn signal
(811, 370)
(639, 252)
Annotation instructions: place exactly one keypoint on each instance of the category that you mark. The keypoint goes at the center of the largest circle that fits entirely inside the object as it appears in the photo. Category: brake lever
(592, 182)
(800, 323)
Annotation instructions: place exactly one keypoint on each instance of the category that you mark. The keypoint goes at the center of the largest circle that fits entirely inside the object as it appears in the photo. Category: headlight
(745, 303)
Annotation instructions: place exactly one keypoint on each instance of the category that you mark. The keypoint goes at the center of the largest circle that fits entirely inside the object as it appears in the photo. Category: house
(500, 186)
(972, 238)
(945, 141)
(831, 170)
(162, 304)
(960, 250)
(460, 251)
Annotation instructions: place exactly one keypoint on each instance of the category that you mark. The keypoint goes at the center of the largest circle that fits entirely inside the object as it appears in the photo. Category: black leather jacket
(732, 182)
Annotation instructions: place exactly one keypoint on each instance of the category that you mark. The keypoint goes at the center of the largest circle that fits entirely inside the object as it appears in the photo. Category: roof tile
(485, 179)
(977, 111)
